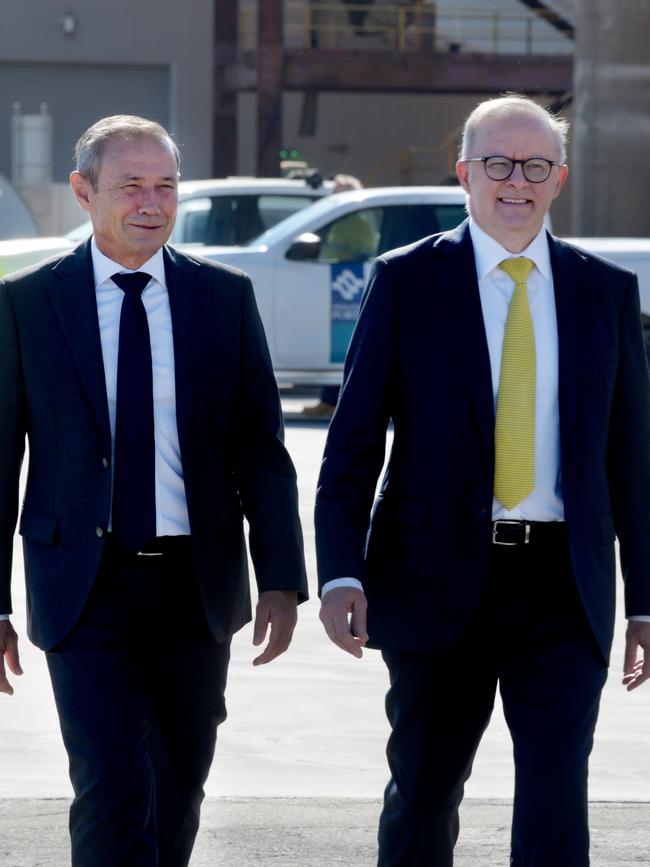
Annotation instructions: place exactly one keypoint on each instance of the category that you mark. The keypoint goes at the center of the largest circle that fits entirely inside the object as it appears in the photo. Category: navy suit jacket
(419, 356)
(230, 429)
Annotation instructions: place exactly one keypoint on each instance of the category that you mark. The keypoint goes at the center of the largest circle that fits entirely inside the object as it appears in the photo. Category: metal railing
(411, 26)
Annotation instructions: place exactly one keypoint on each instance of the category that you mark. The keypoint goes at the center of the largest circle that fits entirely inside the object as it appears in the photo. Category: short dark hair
(90, 147)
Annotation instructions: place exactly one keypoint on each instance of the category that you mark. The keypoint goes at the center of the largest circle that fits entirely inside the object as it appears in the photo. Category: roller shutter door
(77, 95)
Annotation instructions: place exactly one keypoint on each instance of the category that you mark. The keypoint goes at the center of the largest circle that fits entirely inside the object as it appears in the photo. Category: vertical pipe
(307, 25)
(224, 156)
(270, 57)
(495, 33)
(401, 29)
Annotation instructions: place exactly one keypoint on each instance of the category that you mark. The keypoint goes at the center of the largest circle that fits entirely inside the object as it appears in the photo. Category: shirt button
(99, 531)
(105, 463)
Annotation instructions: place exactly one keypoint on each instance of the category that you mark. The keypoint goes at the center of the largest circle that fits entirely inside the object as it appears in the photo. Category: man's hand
(8, 652)
(343, 614)
(636, 671)
(276, 608)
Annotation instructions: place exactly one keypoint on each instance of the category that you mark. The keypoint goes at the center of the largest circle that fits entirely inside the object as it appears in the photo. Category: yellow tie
(514, 475)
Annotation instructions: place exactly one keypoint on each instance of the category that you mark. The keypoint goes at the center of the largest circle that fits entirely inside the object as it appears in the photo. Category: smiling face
(134, 205)
(511, 211)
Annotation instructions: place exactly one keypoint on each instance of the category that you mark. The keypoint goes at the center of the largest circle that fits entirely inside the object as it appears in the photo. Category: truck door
(317, 299)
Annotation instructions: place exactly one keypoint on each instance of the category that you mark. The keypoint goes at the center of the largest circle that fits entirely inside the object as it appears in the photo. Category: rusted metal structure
(289, 45)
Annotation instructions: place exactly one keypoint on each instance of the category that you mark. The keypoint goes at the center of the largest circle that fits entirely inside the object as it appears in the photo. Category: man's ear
(563, 174)
(462, 172)
(82, 190)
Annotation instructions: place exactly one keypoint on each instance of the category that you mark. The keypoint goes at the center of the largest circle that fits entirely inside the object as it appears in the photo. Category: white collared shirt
(171, 505)
(496, 288)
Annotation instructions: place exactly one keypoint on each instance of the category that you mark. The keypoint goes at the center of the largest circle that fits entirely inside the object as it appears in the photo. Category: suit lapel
(189, 302)
(459, 301)
(453, 269)
(568, 280)
(72, 293)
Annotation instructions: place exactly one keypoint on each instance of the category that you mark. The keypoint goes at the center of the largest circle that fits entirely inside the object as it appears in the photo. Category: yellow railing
(410, 26)
(325, 24)
(247, 26)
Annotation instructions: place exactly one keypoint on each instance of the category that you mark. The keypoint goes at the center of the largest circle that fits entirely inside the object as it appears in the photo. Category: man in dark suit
(512, 367)
(142, 380)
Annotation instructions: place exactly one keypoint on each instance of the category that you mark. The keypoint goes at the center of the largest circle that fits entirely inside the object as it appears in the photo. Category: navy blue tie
(134, 495)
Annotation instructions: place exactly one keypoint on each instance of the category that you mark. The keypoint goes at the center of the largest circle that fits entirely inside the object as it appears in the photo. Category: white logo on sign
(348, 285)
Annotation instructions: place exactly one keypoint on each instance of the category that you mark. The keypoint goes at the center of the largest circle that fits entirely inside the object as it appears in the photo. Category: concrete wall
(612, 110)
(148, 32)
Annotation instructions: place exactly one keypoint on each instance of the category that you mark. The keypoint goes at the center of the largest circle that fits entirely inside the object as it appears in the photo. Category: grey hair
(508, 105)
(89, 149)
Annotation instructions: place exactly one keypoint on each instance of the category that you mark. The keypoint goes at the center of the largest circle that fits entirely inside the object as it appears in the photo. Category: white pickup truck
(633, 253)
(309, 271)
(214, 211)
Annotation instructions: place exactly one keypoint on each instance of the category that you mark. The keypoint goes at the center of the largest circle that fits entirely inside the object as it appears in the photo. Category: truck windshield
(294, 224)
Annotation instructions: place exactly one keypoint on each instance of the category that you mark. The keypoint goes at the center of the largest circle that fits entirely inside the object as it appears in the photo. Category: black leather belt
(158, 547)
(506, 532)
(162, 545)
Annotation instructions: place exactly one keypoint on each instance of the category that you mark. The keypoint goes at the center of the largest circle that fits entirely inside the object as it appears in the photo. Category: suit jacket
(230, 430)
(419, 356)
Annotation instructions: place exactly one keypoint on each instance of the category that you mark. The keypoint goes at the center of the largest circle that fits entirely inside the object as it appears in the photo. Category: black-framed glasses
(498, 168)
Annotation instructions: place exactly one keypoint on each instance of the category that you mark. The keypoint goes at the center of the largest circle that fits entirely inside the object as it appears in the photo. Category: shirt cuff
(644, 618)
(341, 582)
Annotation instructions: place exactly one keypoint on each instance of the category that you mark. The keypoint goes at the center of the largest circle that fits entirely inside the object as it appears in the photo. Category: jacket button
(484, 513)
(105, 463)
(99, 531)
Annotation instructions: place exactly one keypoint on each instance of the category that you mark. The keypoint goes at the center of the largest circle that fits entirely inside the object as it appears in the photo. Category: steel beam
(411, 72)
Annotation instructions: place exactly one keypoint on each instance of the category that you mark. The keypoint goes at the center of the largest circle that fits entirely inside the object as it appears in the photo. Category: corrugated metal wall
(76, 96)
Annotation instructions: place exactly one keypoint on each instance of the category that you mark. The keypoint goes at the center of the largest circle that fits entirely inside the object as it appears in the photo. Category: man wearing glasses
(488, 556)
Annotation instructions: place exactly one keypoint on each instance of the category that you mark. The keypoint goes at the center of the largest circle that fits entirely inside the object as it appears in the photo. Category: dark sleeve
(356, 442)
(266, 478)
(629, 456)
(12, 440)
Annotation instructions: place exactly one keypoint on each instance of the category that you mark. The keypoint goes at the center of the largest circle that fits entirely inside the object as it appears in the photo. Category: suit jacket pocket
(37, 526)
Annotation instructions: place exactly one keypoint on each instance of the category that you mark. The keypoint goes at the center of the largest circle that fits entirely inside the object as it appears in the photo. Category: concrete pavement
(314, 832)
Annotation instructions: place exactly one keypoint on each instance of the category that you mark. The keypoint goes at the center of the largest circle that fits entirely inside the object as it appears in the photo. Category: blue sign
(346, 282)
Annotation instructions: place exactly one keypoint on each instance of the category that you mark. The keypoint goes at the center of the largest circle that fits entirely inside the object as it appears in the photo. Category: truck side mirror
(305, 246)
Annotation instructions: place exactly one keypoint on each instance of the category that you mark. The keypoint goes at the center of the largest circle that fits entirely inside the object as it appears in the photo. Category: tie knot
(518, 269)
(131, 283)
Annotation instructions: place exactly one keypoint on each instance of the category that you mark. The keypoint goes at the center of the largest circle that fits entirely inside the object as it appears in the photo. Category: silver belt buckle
(495, 530)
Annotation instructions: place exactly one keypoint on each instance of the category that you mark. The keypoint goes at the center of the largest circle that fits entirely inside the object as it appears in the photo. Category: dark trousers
(139, 687)
(531, 638)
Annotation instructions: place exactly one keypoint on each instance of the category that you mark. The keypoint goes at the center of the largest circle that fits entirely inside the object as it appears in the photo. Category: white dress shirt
(171, 505)
(496, 288)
